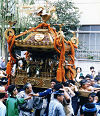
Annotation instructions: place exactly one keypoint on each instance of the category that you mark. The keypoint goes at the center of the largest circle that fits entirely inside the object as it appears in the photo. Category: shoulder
(2, 106)
(21, 94)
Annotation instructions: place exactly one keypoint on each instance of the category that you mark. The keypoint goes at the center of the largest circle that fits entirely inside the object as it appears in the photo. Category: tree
(67, 13)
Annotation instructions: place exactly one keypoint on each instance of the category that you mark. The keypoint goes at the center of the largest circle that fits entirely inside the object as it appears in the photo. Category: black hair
(66, 84)
(2, 95)
(92, 94)
(81, 77)
(71, 81)
(92, 67)
(80, 69)
(98, 94)
(54, 80)
(58, 86)
(88, 76)
(26, 86)
(83, 82)
(11, 89)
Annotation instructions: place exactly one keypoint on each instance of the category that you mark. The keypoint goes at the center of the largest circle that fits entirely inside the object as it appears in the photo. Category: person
(83, 99)
(91, 97)
(92, 72)
(67, 99)
(30, 106)
(98, 103)
(94, 83)
(55, 107)
(78, 73)
(3, 64)
(13, 102)
(2, 106)
(68, 107)
(47, 93)
(89, 109)
(4, 82)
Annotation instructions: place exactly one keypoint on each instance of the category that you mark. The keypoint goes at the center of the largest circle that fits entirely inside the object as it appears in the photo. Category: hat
(59, 92)
(11, 88)
(2, 89)
(89, 107)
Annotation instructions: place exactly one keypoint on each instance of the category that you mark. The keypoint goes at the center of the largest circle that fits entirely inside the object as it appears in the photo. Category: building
(88, 53)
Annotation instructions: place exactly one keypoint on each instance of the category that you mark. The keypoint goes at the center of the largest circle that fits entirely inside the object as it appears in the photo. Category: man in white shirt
(55, 107)
(2, 106)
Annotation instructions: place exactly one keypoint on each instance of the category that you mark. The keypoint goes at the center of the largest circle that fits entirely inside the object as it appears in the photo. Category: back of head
(88, 76)
(58, 86)
(11, 89)
(66, 84)
(71, 81)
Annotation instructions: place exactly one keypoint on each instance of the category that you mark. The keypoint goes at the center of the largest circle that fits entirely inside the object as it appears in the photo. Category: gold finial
(74, 39)
(9, 32)
(43, 13)
(12, 23)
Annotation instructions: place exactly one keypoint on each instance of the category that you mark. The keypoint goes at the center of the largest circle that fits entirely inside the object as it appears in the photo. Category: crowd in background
(78, 97)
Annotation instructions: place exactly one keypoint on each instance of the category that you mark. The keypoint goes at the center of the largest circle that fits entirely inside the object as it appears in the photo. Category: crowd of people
(78, 97)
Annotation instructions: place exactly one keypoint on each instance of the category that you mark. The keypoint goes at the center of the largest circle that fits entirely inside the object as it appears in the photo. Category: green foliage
(68, 15)
(66, 12)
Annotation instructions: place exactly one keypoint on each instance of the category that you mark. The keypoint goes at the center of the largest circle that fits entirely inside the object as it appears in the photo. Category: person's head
(78, 69)
(97, 78)
(53, 82)
(93, 82)
(91, 97)
(66, 84)
(81, 77)
(92, 68)
(28, 88)
(59, 95)
(2, 92)
(4, 81)
(98, 95)
(71, 81)
(88, 77)
(89, 109)
(12, 90)
(84, 84)
(57, 86)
